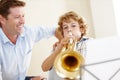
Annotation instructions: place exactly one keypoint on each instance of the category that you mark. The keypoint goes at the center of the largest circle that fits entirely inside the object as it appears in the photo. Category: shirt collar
(4, 37)
(82, 39)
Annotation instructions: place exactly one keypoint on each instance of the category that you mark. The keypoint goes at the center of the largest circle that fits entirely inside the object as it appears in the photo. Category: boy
(68, 22)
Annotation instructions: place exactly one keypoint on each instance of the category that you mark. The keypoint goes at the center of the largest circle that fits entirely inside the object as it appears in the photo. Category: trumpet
(67, 64)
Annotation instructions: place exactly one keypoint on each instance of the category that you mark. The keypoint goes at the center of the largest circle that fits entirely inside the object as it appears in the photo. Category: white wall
(103, 18)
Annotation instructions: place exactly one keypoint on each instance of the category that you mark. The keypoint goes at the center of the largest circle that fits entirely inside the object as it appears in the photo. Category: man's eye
(23, 16)
(16, 16)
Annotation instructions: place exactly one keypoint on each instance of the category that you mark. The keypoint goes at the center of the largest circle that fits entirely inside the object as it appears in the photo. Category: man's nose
(22, 20)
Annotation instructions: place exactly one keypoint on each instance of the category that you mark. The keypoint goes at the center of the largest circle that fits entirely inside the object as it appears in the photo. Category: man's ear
(1, 19)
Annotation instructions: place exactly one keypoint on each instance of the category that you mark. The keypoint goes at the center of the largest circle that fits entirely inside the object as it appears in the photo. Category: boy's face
(72, 26)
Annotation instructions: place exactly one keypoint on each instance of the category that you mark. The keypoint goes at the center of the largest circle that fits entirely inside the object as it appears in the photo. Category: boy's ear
(81, 30)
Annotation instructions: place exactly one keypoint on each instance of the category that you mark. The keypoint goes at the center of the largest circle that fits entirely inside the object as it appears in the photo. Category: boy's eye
(65, 27)
(73, 25)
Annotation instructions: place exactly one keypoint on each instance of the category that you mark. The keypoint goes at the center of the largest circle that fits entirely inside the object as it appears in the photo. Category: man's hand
(58, 34)
(39, 78)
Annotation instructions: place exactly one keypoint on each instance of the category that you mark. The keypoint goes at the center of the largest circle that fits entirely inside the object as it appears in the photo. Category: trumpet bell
(67, 64)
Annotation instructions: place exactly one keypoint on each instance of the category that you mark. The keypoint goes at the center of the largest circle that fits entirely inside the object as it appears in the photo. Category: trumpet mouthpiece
(70, 33)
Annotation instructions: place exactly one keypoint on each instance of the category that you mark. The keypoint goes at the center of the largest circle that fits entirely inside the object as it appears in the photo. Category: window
(116, 4)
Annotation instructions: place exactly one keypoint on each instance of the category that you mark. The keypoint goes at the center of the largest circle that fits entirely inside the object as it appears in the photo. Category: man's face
(14, 22)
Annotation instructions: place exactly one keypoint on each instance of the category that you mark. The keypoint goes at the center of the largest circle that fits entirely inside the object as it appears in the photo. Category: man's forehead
(16, 10)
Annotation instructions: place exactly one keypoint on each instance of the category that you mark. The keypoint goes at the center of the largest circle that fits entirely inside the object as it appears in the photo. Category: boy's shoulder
(86, 38)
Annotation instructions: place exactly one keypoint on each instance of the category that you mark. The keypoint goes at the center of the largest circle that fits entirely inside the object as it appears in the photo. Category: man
(17, 40)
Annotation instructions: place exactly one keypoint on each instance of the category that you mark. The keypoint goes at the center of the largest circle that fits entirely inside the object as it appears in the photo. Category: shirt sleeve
(0, 72)
(40, 32)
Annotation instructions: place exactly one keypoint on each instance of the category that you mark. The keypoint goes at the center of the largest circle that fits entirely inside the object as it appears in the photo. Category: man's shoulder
(0, 43)
(0, 38)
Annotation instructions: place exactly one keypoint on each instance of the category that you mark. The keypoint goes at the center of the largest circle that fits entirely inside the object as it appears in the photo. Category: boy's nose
(69, 30)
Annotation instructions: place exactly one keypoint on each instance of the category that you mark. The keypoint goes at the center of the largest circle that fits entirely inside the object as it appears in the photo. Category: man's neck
(13, 39)
(10, 36)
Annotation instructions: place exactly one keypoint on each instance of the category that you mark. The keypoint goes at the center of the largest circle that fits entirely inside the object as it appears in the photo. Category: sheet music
(103, 59)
